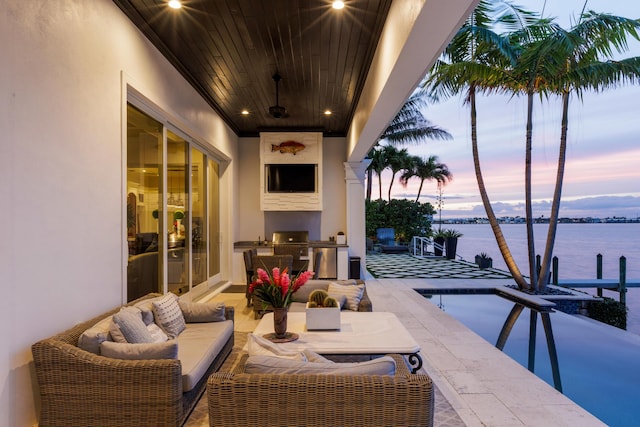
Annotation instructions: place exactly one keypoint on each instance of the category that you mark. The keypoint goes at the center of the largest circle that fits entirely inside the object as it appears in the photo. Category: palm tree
(377, 165)
(478, 60)
(408, 126)
(575, 61)
(529, 78)
(396, 160)
(538, 59)
(426, 170)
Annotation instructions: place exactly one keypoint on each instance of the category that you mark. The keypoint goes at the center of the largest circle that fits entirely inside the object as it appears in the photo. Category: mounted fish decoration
(288, 147)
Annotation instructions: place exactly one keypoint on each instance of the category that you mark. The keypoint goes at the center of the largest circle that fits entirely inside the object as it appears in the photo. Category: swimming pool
(599, 364)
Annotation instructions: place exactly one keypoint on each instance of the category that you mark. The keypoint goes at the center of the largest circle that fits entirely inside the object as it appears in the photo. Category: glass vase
(280, 322)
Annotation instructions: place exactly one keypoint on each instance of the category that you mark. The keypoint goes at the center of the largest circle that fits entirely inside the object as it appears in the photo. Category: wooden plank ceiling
(230, 49)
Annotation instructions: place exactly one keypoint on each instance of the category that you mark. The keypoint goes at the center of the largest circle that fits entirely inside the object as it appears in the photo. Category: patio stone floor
(399, 266)
(477, 385)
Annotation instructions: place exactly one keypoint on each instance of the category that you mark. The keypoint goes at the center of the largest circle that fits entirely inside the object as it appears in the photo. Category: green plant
(330, 302)
(407, 218)
(439, 235)
(609, 311)
(318, 296)
(451, 233)
(483, 255)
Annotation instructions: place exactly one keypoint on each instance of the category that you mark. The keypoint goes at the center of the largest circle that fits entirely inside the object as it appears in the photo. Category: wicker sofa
(240, 399)
(80, 388)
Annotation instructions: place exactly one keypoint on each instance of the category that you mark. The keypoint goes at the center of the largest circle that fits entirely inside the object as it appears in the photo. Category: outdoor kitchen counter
(239, 276)
(248, 244)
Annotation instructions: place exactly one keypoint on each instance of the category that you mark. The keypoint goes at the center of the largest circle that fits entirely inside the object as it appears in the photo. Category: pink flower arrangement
(276, 289)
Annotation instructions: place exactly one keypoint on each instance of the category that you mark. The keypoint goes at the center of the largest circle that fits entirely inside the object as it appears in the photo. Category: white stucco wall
(61, 169)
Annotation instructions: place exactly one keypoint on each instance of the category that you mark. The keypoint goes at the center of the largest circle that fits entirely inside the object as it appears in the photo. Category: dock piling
(599, 272)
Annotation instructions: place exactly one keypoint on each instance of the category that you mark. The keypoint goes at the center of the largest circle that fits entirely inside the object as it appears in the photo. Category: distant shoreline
(520, 220)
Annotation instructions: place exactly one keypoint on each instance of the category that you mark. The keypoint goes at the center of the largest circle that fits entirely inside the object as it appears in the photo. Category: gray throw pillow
(195, 312)
(146, 307)
(132, 327)
(164, 350)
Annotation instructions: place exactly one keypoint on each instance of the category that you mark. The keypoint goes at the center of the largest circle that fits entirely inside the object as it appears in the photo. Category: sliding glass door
(172, 209)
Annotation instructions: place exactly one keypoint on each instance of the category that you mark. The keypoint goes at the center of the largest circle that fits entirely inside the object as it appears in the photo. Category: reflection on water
(599, 364)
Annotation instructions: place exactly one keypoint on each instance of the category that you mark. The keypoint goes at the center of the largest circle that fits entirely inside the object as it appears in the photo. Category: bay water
(576, 246)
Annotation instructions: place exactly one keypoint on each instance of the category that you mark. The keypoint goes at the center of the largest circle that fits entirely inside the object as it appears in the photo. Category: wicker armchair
(239, 399)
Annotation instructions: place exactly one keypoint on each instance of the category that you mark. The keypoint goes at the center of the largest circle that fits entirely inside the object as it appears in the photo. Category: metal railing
(419, 247)
(424, 247)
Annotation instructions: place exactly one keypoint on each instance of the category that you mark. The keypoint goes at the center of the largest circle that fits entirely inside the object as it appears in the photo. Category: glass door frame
(139, 101)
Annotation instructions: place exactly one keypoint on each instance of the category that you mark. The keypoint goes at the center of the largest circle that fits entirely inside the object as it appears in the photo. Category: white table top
(360, 333)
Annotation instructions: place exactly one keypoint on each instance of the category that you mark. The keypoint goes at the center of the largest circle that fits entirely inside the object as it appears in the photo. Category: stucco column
(356, 230)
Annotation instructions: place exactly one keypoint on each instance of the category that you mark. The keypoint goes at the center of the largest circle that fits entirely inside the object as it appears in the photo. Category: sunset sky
(602, 176)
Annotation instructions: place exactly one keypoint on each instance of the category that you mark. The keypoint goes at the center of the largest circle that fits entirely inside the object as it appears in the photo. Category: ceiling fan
(277, 111)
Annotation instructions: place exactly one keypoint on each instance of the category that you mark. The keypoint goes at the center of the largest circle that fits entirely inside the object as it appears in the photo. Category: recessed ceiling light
(175, 4)
(337, 4)
(327, 112)
(245, 112)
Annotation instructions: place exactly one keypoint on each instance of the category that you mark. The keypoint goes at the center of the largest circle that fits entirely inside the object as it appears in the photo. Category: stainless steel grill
(290, 237)
(295, 243)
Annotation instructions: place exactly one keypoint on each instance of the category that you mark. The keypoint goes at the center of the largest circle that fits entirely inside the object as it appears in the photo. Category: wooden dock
(597, 283)
(619, 285)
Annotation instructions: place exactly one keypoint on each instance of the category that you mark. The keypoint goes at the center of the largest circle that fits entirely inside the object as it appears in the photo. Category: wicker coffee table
(361, 333)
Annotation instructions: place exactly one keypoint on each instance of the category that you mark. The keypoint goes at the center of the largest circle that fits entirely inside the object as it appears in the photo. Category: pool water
(599, 364)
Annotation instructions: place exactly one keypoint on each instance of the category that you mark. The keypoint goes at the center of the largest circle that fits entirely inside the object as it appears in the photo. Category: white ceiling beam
(414, 35)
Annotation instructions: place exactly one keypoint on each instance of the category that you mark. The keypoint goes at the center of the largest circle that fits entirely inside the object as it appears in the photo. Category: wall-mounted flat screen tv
(291, 178)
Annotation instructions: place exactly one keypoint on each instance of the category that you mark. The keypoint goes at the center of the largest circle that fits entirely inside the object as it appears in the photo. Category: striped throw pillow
(352, 292)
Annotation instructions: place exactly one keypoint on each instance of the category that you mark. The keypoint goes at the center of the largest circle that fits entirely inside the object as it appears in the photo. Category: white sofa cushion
(196, 312)
(198, 345)
(275, 365)
(164, 350)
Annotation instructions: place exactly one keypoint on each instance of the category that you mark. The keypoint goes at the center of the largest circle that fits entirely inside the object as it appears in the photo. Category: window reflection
(177, 213)
(177, 225)
(198, 218)
(144, 203)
